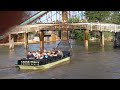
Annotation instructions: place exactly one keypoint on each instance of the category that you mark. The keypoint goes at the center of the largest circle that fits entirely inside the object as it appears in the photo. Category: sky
(54, 17)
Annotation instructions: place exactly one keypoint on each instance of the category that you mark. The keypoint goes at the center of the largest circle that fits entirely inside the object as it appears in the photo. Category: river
(96, 62)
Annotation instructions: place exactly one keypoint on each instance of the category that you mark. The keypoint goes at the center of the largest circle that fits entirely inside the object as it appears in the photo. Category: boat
(42, 64)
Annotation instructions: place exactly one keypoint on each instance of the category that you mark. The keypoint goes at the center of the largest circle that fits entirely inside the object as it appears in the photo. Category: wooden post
(102, 39)
(41, 37)
(86, 32)
(64, 34)
(53, 36)
(25, 40)
(11, 41)
(114, 39)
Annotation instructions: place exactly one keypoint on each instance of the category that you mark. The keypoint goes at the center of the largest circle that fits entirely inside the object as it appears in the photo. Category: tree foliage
(103, 16)
(77, 34)
(114, 17)
(95, 16)
(73, 20)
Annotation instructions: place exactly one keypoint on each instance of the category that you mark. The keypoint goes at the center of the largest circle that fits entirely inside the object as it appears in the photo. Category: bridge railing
(89, 26)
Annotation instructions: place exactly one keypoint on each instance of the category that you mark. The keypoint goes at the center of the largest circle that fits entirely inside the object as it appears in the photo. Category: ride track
(26, 22)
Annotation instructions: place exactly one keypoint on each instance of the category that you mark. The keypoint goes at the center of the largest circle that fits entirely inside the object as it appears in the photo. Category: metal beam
(40, 14)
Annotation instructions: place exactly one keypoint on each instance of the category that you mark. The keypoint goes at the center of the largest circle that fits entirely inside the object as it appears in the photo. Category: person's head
(33, 52)
(29, 53)
(38, 52)
(53, 51)
(41, 53)
(44, 50)
(59, 51)
(53, 48)
(45, 53)
(49, 52)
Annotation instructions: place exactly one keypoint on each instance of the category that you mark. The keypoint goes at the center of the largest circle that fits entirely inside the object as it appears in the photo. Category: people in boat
(34, 54)
(49, 53)
(45, 51)
(60, 53)
(53, 53)
(40, 55)
(53, 49)
(45, 54)
(37, 54)
(30, 55)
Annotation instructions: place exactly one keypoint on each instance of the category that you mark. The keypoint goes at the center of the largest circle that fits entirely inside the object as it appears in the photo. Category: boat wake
(14, 73)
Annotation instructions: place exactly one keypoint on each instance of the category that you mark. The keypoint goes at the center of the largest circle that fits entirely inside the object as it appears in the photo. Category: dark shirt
(30, 56)
(56, 52)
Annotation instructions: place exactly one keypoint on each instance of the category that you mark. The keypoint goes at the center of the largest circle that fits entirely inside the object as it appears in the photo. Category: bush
(79, 34)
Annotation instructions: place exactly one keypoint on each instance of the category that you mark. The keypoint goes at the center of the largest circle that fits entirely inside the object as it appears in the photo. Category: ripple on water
(95, 62)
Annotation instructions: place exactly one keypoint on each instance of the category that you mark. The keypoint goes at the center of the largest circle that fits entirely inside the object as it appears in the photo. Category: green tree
(95, 16)
(114, 17)
(104, 16)
(78, 34)
(73, 20)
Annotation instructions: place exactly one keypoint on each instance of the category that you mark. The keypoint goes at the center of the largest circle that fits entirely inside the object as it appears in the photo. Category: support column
(86, 32)
(115, 39)
(102, 39)
(53, 36)
(25, 40)
(64, 34)
(11, 41)
(41, 37)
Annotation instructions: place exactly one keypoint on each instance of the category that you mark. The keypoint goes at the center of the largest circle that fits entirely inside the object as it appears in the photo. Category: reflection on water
(94, 62)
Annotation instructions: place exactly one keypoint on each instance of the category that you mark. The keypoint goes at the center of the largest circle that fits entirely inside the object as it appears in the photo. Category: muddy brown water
(93, 63)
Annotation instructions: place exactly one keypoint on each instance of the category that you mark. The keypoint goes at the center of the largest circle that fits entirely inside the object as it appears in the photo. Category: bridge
(69, 26)
(64, 26)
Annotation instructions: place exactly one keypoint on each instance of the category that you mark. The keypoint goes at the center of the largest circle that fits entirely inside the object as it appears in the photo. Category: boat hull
(46, 66)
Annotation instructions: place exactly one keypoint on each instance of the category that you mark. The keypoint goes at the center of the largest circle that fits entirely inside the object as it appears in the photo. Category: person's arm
(28, 56)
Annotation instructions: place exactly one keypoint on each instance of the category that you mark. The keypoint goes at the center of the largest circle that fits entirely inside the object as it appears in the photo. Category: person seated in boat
(53, 53)
(34, 54)
(40, 55)
(45, 51)
(53, 49)
(49, 54)
(30, 56)
(45, 55)
(37, 54)
(60, 53)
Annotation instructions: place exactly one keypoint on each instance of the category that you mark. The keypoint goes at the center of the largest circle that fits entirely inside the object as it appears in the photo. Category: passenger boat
(42, 64)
